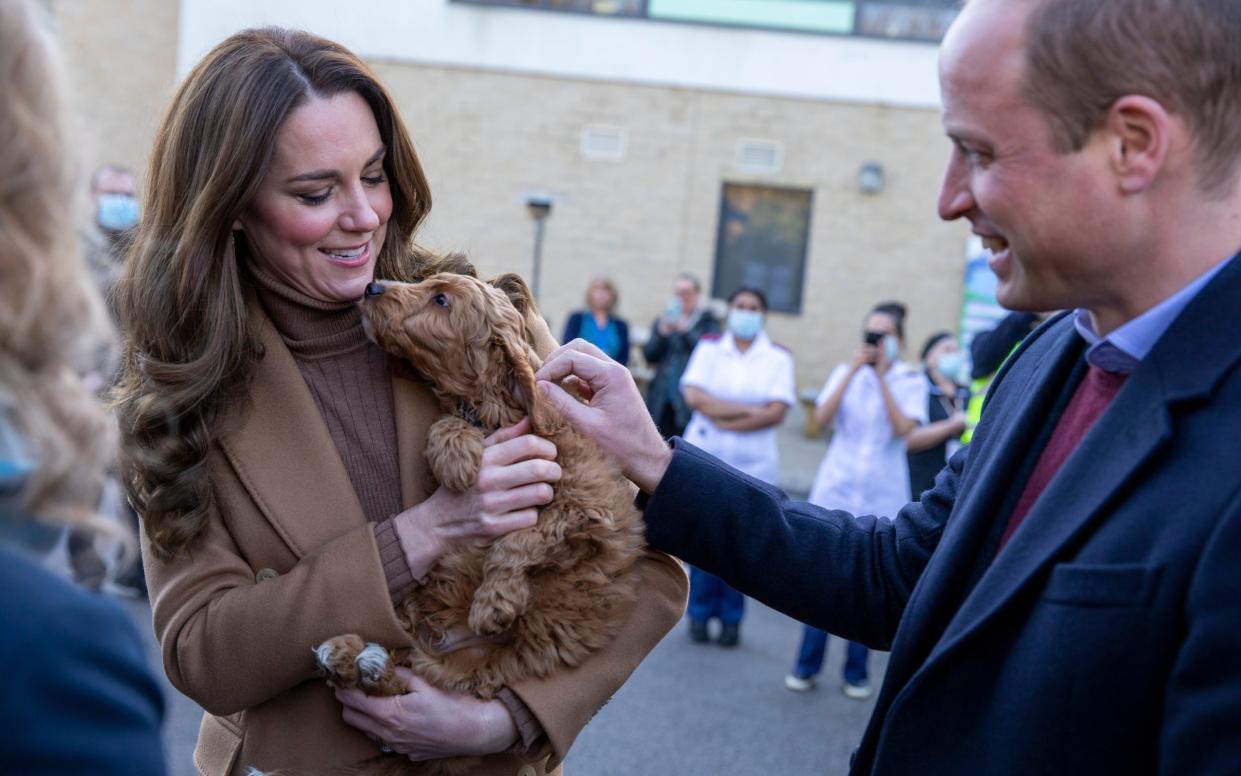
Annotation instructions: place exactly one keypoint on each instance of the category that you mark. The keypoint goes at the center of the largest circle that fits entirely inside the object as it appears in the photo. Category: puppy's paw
(337, 660)
(374, 666)
(454, 452)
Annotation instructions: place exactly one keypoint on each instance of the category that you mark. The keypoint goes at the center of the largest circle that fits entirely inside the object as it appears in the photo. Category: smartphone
(873, 337)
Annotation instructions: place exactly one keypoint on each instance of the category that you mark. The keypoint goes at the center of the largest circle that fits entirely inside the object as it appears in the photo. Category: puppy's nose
(374, 289)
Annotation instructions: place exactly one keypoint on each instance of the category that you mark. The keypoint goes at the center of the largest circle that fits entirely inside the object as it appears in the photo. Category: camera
(873, 337)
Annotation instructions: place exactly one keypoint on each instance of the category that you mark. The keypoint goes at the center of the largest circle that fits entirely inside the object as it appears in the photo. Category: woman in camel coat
(276, 454)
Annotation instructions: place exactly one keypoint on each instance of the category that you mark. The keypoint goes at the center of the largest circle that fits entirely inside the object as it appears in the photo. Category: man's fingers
(579, 345)
(508, 432)
(586, 366)
(570, 408)
(578, 386)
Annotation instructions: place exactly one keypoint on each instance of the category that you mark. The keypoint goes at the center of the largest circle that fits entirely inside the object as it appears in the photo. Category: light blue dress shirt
(1122, 350)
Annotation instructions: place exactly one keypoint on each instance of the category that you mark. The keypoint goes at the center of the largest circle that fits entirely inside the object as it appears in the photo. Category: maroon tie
(1089, 401)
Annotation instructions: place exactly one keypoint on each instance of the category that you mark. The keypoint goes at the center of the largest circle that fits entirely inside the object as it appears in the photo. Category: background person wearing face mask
(930, 445)
(872, 404)
(115, 206)
(115, 200)
(739, 385)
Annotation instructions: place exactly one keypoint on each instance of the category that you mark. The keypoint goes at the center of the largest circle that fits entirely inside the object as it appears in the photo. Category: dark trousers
(710, 596)
(814, 649)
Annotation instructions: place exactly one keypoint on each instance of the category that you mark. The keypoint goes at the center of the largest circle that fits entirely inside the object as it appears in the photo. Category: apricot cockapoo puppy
(532, 601)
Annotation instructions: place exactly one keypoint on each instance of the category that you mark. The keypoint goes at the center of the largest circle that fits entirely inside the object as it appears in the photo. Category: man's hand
(614, 417)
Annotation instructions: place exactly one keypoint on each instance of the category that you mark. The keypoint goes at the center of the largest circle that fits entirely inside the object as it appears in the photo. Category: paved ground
(689, 709)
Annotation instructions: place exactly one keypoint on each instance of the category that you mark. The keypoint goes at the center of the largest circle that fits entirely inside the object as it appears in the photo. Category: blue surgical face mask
(953, 366)
(891, 348)
(117, 212)
(745, 324)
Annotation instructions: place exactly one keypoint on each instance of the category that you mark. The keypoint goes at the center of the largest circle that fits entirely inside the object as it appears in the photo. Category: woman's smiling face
(319, 219)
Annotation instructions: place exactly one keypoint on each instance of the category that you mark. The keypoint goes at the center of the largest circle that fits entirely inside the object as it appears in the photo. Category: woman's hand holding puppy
(427, 723)
(514, 479)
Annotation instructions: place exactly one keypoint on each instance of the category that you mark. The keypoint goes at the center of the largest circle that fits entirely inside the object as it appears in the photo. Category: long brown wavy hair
(190, 348)
(52, 321)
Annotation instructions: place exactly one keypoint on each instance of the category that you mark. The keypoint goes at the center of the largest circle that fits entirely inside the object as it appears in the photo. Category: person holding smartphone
(674, 335)
(871, 403)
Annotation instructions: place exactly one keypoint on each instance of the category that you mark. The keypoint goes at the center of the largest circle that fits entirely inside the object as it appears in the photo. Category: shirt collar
(1122, 350)
(760, 342)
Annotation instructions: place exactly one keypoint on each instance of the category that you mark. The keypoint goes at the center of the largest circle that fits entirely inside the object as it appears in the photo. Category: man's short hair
(1083, 55)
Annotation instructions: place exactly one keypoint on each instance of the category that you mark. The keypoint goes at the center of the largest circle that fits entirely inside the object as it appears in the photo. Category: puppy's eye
(441, 300)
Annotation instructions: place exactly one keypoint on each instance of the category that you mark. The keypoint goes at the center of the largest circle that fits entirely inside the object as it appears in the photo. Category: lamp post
(540, 207)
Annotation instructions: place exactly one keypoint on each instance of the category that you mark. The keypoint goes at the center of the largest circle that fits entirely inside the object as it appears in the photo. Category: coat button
(527, 770)
(265, 574)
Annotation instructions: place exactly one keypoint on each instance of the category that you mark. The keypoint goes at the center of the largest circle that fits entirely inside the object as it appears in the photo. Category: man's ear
(1141, 133)
(516, 290)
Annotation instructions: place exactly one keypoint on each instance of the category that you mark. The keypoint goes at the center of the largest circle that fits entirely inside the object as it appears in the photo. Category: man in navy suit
(1067, 599)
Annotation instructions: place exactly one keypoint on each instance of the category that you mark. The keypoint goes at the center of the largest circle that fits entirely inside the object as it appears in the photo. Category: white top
(865, 471)
(759, 376)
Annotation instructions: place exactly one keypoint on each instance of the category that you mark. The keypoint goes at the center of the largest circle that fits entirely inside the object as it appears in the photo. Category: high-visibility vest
(978, 394)
(973, 408)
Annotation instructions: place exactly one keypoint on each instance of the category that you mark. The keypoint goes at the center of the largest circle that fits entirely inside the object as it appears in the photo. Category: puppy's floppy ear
(516, 290)
(543, 419)
(538, 334)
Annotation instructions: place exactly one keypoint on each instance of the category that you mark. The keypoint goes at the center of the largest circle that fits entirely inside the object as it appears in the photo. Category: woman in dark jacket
(673, 337)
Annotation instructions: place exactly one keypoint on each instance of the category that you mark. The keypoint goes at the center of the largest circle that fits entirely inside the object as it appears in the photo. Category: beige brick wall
(121, 58)
(488, 138)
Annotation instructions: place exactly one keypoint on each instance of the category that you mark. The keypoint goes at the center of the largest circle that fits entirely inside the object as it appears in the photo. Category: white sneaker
(798, 684)
(858, 692)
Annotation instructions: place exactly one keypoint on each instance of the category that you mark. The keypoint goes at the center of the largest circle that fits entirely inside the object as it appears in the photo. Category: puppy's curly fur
(531, 601)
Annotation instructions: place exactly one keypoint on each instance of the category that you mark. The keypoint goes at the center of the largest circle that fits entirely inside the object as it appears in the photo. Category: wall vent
(759, 155)
(603, 143)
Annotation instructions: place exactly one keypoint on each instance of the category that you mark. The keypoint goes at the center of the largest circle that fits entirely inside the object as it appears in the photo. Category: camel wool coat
(288, 560)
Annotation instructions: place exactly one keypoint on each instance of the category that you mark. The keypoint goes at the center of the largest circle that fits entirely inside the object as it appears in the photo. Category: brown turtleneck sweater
(348, 377)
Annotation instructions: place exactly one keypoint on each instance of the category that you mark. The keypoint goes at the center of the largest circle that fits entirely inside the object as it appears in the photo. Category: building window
(600, 7)
(924, 20)
(803, 15)
(762, 243)
(911, 19)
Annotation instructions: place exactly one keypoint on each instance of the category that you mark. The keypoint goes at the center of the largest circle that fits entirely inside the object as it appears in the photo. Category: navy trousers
(814, 650)
(710, 596)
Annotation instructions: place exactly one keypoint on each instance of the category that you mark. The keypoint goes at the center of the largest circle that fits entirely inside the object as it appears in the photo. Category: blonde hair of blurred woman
(52, 320)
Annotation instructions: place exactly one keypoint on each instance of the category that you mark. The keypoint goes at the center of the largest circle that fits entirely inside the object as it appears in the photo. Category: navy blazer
(78, 696)
(1104, 639)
